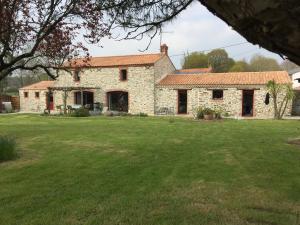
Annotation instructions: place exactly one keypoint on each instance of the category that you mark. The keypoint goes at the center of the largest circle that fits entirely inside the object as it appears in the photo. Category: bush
(142, 114)
(218, 113)
(226, 114)
(81, 112)
(199, 113)
(7, 148)
(208, 111)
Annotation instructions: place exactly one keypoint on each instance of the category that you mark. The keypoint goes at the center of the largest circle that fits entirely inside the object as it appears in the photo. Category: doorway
(117, 101)
(182, 101)
(49, 101)
(247, 103)
(88, 99)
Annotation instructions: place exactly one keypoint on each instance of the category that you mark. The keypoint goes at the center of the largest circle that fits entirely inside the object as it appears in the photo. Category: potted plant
(208, 114)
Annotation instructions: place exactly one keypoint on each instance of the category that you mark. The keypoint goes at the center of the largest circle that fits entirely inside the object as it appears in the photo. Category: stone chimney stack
(164, 49)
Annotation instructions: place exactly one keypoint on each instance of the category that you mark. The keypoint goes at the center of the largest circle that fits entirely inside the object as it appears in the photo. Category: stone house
(150, 84)
(34, 98)
(239, 93)
(295, 76)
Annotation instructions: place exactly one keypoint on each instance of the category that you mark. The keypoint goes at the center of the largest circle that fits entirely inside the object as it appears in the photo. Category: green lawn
(142, 171)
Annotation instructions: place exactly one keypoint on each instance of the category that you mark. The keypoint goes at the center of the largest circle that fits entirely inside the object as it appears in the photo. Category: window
(217, 94)
(76, 75)
(298, 80)
(123, 74)
(25, 94)
(37, 94)
(267, 99)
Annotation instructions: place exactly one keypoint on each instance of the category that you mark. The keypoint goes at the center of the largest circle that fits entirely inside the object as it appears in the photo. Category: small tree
(280, 104)
(65, 95)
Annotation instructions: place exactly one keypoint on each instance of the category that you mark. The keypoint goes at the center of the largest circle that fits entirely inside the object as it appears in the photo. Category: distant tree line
(220, 62)
(11, 84)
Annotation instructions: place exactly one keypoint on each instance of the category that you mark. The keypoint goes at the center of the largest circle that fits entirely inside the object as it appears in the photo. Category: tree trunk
(284, 108)
(275, 105)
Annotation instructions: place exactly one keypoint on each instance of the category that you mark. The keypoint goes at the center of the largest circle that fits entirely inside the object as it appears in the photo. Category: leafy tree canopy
(219, 60)
(262, 63)
(240, 66)
(43, 34)
(195, 60)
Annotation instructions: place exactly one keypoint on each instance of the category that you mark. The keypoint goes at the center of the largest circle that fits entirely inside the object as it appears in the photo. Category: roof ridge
(233, 73)
(120, 55)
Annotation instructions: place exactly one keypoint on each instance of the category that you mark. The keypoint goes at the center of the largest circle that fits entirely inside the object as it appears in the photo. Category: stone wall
(31, 103)
(162, 68)
(139, 85)
(231, 102)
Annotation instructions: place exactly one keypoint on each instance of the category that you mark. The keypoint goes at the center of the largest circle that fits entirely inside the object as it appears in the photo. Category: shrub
(199, 113)
(218, 113)
(226, 114)
(141, 114)
(208, 111)
(7, 148)
(81, 112)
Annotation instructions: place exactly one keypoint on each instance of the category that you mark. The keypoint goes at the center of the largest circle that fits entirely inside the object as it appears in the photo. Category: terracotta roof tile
(42, 85)
(109, 61)
(238, 78)
(195, 70)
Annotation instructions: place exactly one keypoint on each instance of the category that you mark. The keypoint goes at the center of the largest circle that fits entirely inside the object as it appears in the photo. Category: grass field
(137, 171)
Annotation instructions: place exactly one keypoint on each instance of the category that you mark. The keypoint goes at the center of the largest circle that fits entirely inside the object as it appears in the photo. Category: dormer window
(76, 75)
(123, 74)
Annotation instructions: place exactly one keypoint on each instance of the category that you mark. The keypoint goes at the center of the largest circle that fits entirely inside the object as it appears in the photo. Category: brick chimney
(164, 49)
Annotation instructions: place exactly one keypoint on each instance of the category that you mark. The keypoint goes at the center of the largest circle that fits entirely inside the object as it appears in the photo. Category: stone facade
(230, 103)
(147, 90)
(31, 103)
(140, 84)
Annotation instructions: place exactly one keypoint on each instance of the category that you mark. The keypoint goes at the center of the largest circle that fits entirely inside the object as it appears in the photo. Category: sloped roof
(236, 78)
(109, 61)
(42, 85)
(195, 70)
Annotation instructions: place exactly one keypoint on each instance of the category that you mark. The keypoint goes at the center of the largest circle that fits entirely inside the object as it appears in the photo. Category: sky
(195, 29)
